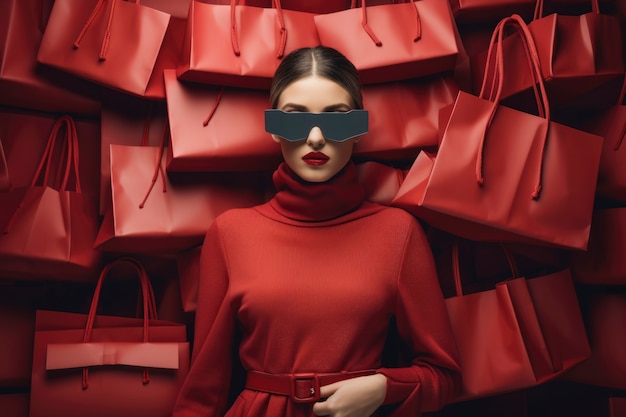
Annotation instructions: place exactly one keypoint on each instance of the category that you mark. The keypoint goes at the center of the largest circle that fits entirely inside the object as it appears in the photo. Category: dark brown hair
(321, 61)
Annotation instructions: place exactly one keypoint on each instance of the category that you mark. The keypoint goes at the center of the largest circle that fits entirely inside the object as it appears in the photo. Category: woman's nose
(316, 138)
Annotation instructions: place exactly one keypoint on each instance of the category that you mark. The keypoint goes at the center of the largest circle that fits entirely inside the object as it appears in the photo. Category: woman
(315, 279)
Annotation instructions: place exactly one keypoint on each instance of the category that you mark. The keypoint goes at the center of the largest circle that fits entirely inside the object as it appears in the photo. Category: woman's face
(315, 159)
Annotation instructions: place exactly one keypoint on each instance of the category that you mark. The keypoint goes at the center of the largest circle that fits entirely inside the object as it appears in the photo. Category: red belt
(302, 388)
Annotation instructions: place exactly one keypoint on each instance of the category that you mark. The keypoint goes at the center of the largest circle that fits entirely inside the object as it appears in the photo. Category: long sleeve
(205, 391)
(433, 378)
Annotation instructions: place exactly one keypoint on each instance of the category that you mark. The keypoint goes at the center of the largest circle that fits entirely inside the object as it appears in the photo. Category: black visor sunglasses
(336, 126)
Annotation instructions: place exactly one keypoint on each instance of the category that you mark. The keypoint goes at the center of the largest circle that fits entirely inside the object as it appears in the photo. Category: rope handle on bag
(104, 48)
(538, 86)
(158, 169)
(456, 269)
(234, 37)
(148, 301)
(538, 14)
(370, 31)
(5, 180)
(71, 154)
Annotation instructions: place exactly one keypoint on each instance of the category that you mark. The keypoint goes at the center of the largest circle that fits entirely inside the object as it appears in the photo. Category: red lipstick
(315, 158)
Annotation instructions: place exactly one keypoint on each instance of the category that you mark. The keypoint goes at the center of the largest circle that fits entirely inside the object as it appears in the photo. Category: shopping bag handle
(158, 168)
(5, 183)
(456, 269)
(495, 92)
(366, 27)
(234, 36)
(148, 301)
(69, 152)
(595, 8)
(104, 48)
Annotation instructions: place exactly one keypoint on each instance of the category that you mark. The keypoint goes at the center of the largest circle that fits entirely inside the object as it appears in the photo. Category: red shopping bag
(398, 133)
(129, 122)
(111, 42)
(483, 11)
(217, 129)
(105, 366)
(603, 262)
(391, 42)
(605, 315)
(501, 174)
(25, 134)
(151, 213)
(241, 46)
(5, 181)
(611, 125)
(23, 82)
(48, 228)
(521, 333)
(578, 54)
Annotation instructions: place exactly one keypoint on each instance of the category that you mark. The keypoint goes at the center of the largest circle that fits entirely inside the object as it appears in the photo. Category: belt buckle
(313, 381)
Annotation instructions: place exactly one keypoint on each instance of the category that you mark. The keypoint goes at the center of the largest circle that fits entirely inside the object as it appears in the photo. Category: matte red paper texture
(393, 42)
(105, 366)
(241, 46)
(110, 42)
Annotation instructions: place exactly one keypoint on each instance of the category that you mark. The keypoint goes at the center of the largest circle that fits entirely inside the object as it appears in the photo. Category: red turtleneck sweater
(312, 280)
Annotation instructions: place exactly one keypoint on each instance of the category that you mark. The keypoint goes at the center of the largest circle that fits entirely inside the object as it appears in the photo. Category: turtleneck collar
(301, 200)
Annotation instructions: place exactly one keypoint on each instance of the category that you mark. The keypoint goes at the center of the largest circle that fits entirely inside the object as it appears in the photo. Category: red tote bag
(578, 55)
(111, 42)
(603, 262)
(151, 213)
(241, 46)
(397, 133)
(105, 366)
(48, 228)
(501, 174)
(605, 315)
(391, 42)
(611, 125)
(521, 333)
(23, 82)
(217, 129)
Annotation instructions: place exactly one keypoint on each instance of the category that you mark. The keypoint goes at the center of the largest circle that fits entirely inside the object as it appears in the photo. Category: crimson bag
(23, 82)
(217, 129)
(391, 42)
(48, 228)
(397, 133)
(603, 262)
(241, 46)
(521, 333)
(105, 366)
(501, 174)
(605, 315)
(577, 54)
(151, 213)
(111, 42)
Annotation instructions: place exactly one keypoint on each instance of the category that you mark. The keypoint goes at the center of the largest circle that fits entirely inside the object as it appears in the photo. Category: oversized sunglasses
(336, 126)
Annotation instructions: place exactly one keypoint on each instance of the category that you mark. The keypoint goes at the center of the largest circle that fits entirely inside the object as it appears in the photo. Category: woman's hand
(356, 397)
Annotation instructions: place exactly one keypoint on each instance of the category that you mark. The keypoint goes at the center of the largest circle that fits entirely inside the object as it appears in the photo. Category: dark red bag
(48, 228)
(399, 133)
(217, 129)
(152, 213)
(603, 262)
(103, 366)
(501, 174)
(523, 332)
(111, 42)
(391, 42)
(605, 315)
(578, 54)
(241, 46)
(23, 82)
